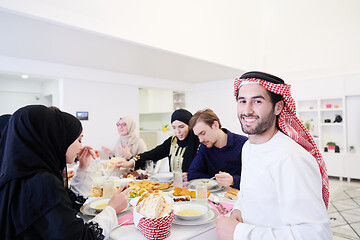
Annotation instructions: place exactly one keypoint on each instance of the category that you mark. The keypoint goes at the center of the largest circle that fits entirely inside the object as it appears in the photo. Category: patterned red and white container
(154, 228)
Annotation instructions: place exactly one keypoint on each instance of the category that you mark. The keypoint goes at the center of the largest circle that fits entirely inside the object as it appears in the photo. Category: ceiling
(37, 39)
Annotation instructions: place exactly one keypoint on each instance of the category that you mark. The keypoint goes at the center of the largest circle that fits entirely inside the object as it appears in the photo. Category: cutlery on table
(123, 222)
(217, 203)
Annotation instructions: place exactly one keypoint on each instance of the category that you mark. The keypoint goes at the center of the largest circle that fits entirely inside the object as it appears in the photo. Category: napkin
(228, 207)
(120, 220)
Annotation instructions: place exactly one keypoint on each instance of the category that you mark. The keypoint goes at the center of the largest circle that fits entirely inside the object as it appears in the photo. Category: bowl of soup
(99, 204)
(190, 211)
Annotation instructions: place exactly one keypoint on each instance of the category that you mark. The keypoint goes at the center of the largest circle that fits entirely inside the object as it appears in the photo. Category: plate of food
(138, 175)
(190, 211)
(230, 196)
(96, 206)
(149, 185)
(99, 204)
(210, 183)
(210, 215)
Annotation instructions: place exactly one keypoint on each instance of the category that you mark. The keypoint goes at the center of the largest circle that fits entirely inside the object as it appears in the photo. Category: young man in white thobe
(284, 186)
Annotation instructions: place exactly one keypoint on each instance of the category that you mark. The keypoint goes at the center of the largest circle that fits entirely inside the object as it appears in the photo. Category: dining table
(178, 231)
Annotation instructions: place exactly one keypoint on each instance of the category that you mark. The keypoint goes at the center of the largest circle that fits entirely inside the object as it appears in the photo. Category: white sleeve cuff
(107, 220)
(82, 182)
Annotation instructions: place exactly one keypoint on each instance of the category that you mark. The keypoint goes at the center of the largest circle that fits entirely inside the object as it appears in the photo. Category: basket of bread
(153, 216)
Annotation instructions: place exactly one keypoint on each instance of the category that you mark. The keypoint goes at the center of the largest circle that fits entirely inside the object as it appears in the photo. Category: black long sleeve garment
(180, 153)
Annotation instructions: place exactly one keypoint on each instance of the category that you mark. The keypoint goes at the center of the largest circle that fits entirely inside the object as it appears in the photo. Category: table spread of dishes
(156, 208)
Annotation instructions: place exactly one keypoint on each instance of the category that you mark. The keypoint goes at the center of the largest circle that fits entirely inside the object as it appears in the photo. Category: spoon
(207, 181)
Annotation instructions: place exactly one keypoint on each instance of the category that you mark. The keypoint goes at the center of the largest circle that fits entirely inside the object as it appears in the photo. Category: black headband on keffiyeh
(289, 123)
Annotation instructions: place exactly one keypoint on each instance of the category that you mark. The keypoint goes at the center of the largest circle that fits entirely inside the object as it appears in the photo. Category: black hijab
(35, 142)
(4, 119)
(191, 141)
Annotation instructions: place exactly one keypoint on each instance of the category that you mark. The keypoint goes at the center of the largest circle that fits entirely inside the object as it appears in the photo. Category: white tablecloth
(178, 232)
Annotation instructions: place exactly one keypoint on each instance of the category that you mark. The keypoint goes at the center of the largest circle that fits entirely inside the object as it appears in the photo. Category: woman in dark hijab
(34, 204)
(180, 148)
(3, 122)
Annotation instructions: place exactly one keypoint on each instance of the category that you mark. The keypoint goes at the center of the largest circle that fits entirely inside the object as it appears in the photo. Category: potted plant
(352, 149)
(331, 145)
(308, 125)
(165, 128)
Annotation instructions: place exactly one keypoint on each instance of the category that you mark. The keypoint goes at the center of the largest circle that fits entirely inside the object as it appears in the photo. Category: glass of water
(108, 187)
(201, 191)
(149, 167)
(178, 182)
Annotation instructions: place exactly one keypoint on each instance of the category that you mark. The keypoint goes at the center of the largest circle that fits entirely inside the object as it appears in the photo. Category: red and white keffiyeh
(290, 124)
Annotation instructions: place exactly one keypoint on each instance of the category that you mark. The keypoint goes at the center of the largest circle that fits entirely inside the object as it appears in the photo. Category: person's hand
(236, 214)
(119, 200)
(225, 227)
(85, 155)
(124, 151)
(184, 176)
(224, 179)
(124, 164)
(107, 151)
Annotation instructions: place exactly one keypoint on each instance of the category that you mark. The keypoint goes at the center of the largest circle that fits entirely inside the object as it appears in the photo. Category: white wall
(218, 96)
(16, 94)
(105, 102)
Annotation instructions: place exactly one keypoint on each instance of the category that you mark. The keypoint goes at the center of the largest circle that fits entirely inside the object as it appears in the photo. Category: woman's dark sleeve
(61, 223)
(76, 200)
(155, 154)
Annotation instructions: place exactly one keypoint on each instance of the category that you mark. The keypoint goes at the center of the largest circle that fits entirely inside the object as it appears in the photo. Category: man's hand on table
(224, 179)
(225, 226)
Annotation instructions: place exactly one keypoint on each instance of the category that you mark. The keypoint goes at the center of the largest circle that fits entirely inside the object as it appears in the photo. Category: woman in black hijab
(34, 150)
(3, 122)
(180, 148)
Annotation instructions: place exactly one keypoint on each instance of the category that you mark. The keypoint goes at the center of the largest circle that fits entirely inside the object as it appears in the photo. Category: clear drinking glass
(108, 187)
(149, 167)
(201, 191)
(178, 178)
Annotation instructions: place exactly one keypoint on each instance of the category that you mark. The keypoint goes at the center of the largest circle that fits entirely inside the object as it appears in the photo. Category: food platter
(207, 218)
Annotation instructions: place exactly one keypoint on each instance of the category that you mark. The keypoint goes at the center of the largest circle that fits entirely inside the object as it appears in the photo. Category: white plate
(201, 208)
(163, 177)
(134, 201)
(212, 185)
(99, 204)
(208, 217)
(122, 181)
(87, 210)
(222, 198)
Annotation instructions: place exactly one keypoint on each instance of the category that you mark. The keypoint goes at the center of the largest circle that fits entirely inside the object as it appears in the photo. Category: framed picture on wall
(82, 115)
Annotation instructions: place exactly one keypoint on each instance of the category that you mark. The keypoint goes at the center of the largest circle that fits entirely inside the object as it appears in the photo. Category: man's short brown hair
(207, 116)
